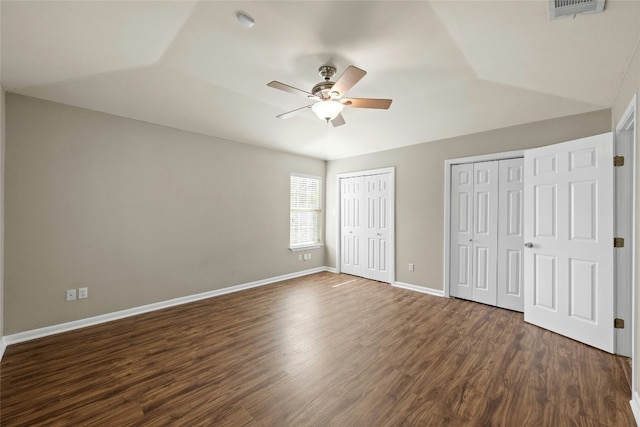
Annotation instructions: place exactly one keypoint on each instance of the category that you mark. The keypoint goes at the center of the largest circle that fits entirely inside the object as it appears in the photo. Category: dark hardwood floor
(306, 352)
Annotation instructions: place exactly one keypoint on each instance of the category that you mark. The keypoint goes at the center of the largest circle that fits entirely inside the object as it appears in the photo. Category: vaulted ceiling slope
(451, 67)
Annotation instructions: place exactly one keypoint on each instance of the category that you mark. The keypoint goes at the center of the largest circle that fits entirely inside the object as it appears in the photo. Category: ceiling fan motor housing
(323, 90)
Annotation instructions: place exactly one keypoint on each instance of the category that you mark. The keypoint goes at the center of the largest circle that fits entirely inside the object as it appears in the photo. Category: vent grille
(568, 3)
(564, 8)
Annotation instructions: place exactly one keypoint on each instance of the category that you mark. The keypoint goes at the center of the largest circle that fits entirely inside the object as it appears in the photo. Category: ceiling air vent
(564, 8)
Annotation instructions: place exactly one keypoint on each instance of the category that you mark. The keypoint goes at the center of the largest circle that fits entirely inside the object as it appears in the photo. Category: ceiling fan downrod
(327, 72)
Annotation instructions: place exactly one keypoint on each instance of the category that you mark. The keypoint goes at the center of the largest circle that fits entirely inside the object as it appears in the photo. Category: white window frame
(318, 243)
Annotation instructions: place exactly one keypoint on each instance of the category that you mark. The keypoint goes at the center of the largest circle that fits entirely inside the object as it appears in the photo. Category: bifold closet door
(474, 234)
(485, 232)
(351, 195)
(511, 235)
(375, 230)
(365, 226)
(461, 235)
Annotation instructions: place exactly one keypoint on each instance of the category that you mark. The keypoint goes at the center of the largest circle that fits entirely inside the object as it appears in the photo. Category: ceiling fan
(329, 95)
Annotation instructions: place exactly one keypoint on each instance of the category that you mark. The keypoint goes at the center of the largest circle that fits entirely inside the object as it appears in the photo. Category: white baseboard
(90, 321)
(3, 347)
(635, 407)
(422, 289)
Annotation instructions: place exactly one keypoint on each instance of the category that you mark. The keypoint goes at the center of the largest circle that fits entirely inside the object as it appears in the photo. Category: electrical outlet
(300, 257)
(309, 255)
(71, 294)
(410, 266)
(83, 293)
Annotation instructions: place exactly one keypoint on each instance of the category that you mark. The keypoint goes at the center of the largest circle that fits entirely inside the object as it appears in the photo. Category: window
(305, 212)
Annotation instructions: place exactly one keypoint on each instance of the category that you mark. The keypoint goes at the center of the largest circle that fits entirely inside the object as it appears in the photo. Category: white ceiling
(451, 67)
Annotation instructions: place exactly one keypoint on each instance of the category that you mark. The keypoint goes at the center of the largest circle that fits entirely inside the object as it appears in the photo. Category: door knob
(528, 245)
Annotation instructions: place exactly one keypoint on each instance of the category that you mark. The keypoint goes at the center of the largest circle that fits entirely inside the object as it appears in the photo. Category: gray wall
(141, 213)
(136, 212)
(420, 186)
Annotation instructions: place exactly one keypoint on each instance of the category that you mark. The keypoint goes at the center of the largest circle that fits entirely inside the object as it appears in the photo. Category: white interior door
(568, 262)
(511, 235)
(350, 206)
(485, 232)
(376, 230)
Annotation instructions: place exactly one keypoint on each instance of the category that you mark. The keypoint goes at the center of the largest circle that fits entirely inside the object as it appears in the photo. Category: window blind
(305, 210)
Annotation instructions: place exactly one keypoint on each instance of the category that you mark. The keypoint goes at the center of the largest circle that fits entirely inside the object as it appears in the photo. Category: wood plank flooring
(306, 352)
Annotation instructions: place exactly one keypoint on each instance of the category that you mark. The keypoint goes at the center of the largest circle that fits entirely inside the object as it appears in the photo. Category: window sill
(305, 248)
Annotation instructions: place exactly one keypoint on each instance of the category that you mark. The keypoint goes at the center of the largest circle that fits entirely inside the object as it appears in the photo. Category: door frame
(624, 178)
(627, 122)
(392, 215)
(447, 201)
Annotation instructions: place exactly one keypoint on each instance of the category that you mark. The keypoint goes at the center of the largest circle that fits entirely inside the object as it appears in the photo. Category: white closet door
(376, 226)
(510, 235)
(351, 193)
(485, 232)
(366, 229)
(461, 234)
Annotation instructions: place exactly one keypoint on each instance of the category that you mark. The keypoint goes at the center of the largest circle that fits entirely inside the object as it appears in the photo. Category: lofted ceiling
(451, 67)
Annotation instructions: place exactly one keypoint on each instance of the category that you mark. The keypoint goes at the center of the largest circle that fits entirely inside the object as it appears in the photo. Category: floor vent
(565, 8)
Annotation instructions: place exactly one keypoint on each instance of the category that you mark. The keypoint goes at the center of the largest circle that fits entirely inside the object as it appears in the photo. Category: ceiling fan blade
(291, 89)
(338, 121)
(381, 104)
(350, 77)
(293, 112)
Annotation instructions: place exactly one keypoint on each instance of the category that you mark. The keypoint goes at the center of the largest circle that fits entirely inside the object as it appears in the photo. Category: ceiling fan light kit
(329, 95)
(327, 110)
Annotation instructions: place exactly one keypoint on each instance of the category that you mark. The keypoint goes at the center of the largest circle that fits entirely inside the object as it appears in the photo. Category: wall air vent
(564, 8)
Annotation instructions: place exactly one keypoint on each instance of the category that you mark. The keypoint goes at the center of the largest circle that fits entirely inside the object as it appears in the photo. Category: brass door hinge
(618, 323)
(618, 161)
(618, 242)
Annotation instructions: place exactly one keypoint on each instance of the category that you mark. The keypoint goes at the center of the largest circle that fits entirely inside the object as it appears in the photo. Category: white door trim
(624, 144)
(627, 121)
(447, 201)
(392, 213)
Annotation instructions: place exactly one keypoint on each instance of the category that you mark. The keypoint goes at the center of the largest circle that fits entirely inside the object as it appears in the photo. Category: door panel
(510, 235)
(482, 268)
(485, 232)
(582, 289)
(545, 282)
(351, 197)
(568, 214)
(461, 232)
(514, 273)
(545, 213)
(377, 232)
